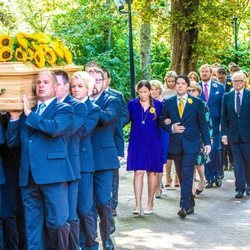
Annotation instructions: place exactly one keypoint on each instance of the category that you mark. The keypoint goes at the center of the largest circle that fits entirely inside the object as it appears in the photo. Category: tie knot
(238, 93)
(41, 108)
(42, 105)
(205, 84)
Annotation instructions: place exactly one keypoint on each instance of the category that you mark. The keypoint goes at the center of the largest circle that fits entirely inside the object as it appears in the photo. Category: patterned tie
(41, 108)
(238, 103)
(181, 107)
(206, 91)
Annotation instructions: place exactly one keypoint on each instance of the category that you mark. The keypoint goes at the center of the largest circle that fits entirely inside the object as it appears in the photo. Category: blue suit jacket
(194, 121)
(105, 152)
(80, 110)
(122, 120)
(2, 177)
(86, 150)
(236, 128)
(214, 103)
(44, 144)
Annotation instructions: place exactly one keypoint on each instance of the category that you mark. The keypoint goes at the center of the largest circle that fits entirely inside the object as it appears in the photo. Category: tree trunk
(184, 35)
(145, 50)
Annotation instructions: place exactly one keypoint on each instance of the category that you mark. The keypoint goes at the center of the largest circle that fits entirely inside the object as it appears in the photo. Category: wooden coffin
(17, 79)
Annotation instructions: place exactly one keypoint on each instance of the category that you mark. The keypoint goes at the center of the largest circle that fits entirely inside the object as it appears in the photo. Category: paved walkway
(219, 220)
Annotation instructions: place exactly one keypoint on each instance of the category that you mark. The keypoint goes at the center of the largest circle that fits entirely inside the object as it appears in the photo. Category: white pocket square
(217, 92)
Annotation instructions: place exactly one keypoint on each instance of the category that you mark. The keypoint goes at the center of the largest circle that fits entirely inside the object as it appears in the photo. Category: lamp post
(120, 5)
(235, 23)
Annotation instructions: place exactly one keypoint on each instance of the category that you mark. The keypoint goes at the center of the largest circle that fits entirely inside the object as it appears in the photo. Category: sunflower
(45, 38)
(20, 55)
(67, 55)
(5, 54)
(39, 58)
(21, 40)
(30, 54)
(50, 55)
(5, 40)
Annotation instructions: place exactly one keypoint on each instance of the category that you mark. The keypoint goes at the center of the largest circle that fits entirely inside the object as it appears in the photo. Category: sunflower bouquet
(40, 49)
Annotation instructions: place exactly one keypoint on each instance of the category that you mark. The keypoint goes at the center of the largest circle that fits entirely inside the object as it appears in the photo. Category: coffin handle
(2, 91)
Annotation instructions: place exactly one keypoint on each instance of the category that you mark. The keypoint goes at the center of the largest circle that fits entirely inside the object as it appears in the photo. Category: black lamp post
(120, 5)
(235, 23)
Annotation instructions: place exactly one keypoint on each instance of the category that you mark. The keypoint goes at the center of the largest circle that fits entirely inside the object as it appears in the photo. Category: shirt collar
(85, 99)
(47, 103)
(185, 97)
(208, 83)
(241, 91)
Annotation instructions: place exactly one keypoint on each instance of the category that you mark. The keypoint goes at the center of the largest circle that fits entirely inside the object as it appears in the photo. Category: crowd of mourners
(59, 160)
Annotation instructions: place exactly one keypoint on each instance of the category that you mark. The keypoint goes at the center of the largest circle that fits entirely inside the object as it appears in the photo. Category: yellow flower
(30, 54)
(20, 55)
(229, 83)
(39, 58)
(190, 101)
(67, 55)
(50, 55)
(45, 38)
(5, 54)
(21, 40)
(152, 110)
(5, 40)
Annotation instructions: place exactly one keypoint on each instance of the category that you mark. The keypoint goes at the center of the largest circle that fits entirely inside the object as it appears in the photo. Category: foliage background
(95, 30)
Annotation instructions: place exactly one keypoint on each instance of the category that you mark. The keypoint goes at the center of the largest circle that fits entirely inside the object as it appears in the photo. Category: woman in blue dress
(144, 149)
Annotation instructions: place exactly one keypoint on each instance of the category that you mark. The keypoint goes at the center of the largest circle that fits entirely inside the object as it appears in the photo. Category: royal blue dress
(145, 147)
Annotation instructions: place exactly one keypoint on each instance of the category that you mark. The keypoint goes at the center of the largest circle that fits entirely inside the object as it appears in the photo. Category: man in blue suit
(81, 86)
(104, 145)
(45, 169)
(12, 207)
(80, 110)
(118, 137)
(183, 116)
(225, 149)
(2, 181)
(235, 129)
(212, 93)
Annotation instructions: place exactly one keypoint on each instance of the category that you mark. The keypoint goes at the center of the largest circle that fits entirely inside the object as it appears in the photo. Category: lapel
(67, 99)
(187, 106)
(101, 99)
(49, 108)
(232, 102)
(202, 96)
(244, 104)
(213, 90)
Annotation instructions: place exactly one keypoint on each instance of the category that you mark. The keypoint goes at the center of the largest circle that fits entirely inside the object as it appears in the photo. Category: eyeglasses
(98, 80)
(192, 90)
(238, 81)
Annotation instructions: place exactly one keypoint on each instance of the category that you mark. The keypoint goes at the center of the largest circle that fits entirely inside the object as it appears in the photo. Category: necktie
(181, 107)
(238, 103)
(206, 91)
(41, 108)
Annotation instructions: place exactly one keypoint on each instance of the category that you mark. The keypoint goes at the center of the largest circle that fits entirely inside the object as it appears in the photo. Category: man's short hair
(206, 66)
(105, 70)
(221, 71)
(184, 77)
(63, 74)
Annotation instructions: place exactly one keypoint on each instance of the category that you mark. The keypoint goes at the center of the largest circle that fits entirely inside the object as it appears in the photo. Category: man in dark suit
(226, 154)
(235, 130)
(212, 93)
(183, 116)
(104, 145)
(118, 137)
(45, 169)
(81, 86)
(2, 181)
(12, 207)
(80, 110)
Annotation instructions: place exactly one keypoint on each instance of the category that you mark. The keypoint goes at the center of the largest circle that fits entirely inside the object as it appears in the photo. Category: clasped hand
(178, 129)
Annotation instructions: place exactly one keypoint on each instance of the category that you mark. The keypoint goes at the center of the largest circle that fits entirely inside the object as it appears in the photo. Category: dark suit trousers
(85, 212)
(184, 164)
(102, 196)
(241, 158)
(13, 218)
(115, 187)
(50, 203)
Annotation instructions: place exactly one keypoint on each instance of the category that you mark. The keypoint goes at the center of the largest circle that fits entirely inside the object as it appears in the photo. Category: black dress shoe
(197, 192)
(209, 184)
(190, 210)
(239, 195)
(108, 244)
(182, 213)
(218, 181)
(114, 213)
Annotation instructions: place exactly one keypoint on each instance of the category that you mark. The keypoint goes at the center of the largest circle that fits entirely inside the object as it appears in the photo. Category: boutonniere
(215, 85)
(152, 110)
(229, 83)
(190, 101)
